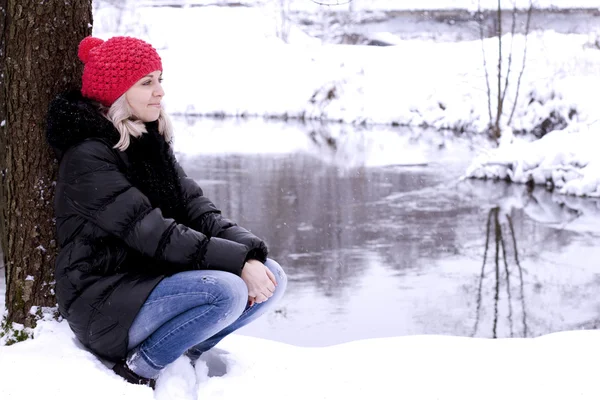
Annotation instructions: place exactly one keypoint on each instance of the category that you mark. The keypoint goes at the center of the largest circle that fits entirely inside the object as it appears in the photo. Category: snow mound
(556, 366)
(564, 159)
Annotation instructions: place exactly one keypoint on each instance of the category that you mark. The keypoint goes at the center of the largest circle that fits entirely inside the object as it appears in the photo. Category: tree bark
(40, 40)
(3, 30)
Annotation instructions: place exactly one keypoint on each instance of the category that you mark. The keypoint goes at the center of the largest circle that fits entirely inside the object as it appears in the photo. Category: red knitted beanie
(113, 66)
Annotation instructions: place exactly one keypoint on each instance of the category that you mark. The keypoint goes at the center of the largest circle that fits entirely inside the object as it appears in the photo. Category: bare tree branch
(510, 54)
(282, 25)
(527, 26)
(485, 69)
(499, 78)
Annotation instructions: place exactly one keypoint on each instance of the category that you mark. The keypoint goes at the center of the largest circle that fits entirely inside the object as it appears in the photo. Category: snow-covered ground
(557, 366)
(565, 160)
(2, 290)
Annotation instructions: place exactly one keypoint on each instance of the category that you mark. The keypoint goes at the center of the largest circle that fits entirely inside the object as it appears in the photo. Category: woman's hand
(260, 281)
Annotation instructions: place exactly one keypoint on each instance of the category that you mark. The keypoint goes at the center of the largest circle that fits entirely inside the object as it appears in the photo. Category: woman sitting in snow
(148, 268)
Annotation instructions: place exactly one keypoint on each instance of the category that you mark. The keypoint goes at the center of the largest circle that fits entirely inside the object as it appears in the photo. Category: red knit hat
(113, 66)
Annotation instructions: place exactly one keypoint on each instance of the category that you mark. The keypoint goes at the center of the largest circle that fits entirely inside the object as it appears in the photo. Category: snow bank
(566, 160)
(556, 366)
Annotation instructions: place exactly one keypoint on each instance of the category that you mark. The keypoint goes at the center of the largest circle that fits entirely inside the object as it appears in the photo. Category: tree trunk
(3, 30)
(39, 40)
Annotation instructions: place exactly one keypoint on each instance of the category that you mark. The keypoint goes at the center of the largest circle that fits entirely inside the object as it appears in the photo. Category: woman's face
(145, 95)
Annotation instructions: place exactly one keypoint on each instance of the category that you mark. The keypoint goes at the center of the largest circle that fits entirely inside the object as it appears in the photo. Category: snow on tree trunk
(38, 40)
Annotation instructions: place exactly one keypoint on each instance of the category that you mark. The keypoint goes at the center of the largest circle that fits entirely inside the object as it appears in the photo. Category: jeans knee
(280, 275)
(234, 293)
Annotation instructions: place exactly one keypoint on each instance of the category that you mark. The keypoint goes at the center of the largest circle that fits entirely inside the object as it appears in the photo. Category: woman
(148, 268)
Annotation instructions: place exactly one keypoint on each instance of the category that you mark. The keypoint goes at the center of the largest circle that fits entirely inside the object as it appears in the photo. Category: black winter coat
(125, 220)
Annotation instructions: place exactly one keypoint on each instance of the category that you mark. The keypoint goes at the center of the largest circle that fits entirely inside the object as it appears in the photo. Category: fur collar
(73, 118)
(151, 165)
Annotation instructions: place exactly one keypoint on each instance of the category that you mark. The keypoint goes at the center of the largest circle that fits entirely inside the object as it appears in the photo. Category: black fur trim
(73, 118)
(259, 253)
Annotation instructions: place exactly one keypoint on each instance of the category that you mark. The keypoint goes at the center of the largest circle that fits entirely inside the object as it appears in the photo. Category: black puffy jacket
(125, 220)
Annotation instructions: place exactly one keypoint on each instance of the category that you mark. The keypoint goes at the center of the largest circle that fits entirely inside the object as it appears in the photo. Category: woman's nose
(159, 92)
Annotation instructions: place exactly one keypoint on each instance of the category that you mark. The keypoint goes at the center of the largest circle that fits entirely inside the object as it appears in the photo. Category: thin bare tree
(485, 67)
(283, 19)
(503, 78)
(527, 27)
(499, 71)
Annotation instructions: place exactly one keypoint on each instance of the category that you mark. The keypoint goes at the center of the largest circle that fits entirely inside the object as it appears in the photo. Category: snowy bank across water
(566, 160)
(556, 366)
(229, 61)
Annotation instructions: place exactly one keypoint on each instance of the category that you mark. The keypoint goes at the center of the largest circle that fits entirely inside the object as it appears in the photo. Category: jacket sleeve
(99, 191)
(206, 218)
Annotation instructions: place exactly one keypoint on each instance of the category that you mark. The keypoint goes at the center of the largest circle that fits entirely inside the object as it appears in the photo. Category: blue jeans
(191, 312)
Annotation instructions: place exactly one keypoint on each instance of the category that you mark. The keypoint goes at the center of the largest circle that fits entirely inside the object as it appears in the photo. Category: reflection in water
(565, 214)
(395, 250)
(500, 252)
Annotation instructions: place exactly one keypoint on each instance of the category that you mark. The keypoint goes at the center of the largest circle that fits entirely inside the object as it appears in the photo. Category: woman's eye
(160, 80)
(147, 83)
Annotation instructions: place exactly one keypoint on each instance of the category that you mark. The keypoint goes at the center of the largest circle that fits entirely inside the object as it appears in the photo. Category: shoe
(123, 371)
(193, 358)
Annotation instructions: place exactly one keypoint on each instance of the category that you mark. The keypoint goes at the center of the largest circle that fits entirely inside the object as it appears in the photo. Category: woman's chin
(150, 117)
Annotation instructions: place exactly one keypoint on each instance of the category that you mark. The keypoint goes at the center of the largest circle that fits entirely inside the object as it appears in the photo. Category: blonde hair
(121, 116)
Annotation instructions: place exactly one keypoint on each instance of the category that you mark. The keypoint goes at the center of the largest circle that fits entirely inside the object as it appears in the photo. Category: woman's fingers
(260, 298)
(262, 294)
(271, 276)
